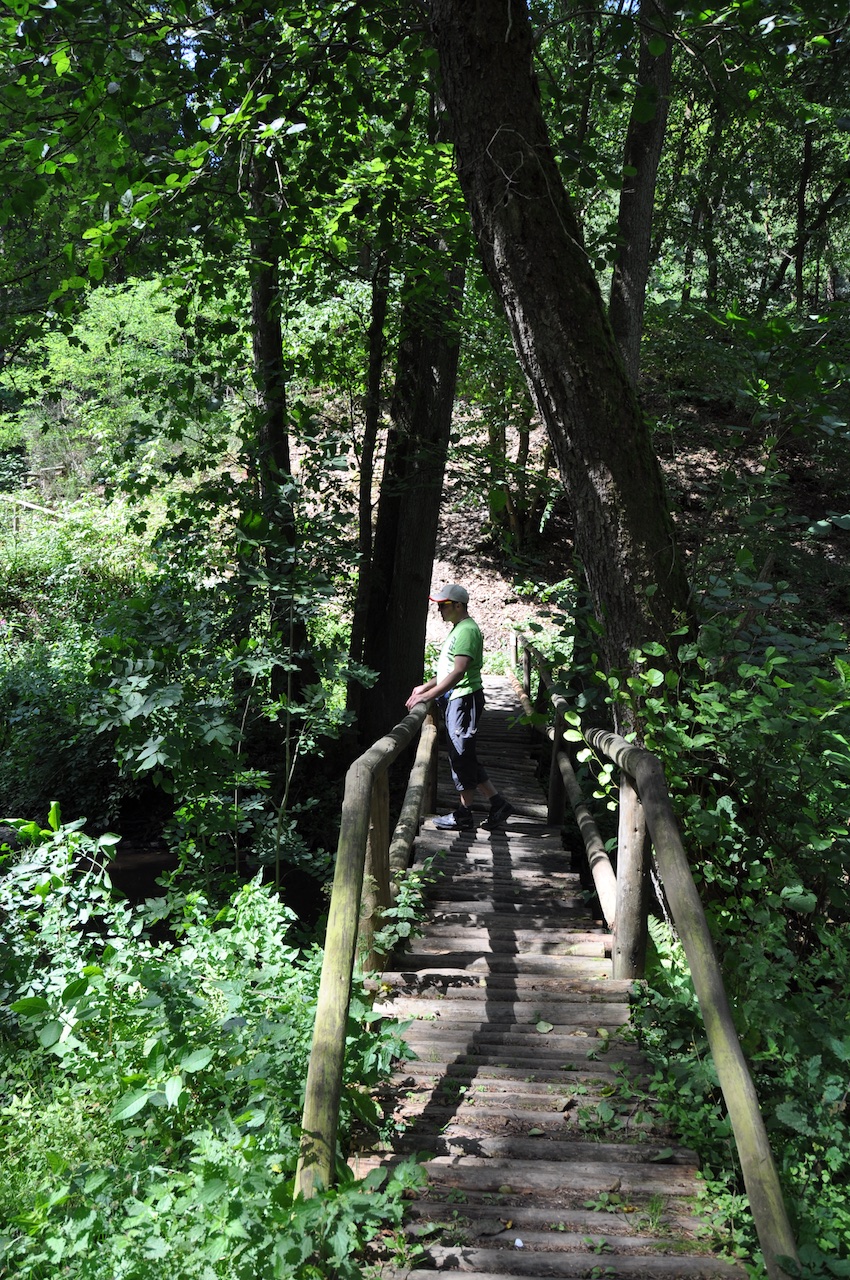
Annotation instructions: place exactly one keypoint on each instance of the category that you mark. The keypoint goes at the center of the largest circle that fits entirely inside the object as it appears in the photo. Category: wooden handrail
(646, 790)
(364, 846)
(563, 781)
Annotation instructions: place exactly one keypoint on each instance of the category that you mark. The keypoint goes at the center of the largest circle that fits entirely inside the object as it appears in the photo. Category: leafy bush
(752, 724)
(55, 578)
(46, 750)
(167, 1079)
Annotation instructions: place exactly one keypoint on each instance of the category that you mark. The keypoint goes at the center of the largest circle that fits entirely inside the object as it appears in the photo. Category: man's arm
(434, 688)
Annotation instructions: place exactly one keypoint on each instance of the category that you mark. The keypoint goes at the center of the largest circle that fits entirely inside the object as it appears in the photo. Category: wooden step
(526, 1108)
(480, 961)
(561, 1013)
(488, 1264)
(582, 1178)
(553, 941)
(482, 1219)
(562, 1074)
(460, 986)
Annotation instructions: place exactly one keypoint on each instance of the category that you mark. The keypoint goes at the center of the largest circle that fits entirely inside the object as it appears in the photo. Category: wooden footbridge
(526, 1098)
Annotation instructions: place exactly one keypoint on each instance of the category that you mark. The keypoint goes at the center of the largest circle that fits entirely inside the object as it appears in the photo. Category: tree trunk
(819, 220)
(801, 239)
(271, 445)
(272, 439)
(409, 503)
(371, 422)
(644, 142)
(533, 252)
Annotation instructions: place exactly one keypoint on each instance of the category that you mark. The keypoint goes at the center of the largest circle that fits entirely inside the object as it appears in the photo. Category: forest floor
(504, 591)
(728, 498)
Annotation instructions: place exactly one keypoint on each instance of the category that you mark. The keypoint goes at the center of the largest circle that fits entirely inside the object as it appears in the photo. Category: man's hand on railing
(422, 693)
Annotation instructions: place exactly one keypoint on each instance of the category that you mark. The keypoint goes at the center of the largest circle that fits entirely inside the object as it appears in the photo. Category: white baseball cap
(452, 591)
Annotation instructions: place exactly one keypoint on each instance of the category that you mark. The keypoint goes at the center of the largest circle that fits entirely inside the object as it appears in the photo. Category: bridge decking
(544, 1155)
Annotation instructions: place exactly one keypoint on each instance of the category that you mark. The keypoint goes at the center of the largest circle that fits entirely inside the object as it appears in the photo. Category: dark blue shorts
(463, 716)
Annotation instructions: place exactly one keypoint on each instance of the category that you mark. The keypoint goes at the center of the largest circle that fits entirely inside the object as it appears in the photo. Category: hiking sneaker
(498, 815)
(460, 820)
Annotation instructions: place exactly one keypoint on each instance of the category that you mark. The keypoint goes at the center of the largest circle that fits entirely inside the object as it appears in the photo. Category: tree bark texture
(371, 423)
(272, 454)
(409, 503)
(644, 143)
(535, 258)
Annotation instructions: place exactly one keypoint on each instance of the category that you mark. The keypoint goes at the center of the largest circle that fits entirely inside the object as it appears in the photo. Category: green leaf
(30, 1005)
(790, 1114)
(544, 1027)
(74, 990)
(173, 1089)
(196, 1060)
(49, 1034)
(130, 1104)
(799, 899)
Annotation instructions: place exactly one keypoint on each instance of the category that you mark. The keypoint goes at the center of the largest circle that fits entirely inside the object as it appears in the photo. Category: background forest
(263, 342)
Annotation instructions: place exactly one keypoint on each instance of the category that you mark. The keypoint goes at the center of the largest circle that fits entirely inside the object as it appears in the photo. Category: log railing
(646, 819)
(369, 864)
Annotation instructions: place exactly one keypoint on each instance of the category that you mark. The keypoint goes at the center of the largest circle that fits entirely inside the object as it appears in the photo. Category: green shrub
(752, 724)
(56, 577)
(169, 1076)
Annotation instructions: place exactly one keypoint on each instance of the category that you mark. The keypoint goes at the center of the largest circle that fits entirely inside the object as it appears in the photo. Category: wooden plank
(475, 962)
(581, 1178)
(537, 1266)
(468, 986)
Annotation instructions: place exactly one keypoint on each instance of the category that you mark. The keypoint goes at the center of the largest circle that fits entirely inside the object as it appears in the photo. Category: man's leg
(462, 718)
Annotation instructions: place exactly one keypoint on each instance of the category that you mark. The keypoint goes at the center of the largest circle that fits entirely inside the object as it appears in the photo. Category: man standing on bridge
(458, 688)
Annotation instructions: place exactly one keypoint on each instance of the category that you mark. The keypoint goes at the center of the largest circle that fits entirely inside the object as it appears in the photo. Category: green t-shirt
(463, 641)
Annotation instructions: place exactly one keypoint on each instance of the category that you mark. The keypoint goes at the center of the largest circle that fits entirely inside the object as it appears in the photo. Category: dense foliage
(213, 222)
(752, 723)
(152, 1064)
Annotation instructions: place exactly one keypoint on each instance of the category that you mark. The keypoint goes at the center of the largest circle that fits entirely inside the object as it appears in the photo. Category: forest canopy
(287, 293)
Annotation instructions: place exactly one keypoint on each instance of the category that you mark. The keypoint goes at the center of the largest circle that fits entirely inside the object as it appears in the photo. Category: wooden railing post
(629, 946)
(360, 813)
(556, 802)
(419, 787)
(431, 790)
(526, 670)
(324, 1073)
(376, 882)
(761, 1179)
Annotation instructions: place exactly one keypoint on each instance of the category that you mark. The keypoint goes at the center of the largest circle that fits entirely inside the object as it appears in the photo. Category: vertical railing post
(526, 671)
(556, 802)
(323, 1089)
(433, 719)
(376, 880)
(630, 929)
(513, 650)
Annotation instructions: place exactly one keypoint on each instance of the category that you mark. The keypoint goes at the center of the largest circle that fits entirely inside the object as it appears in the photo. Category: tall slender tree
(642, 153)
(533, 251)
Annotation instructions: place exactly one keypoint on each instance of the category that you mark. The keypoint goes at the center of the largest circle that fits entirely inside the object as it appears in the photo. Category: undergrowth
(152, 1062)
(752, 724)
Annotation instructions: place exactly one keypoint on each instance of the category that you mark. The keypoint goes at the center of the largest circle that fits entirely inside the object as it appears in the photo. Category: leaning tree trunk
(533, 252)
(644, 142)
(409, 503)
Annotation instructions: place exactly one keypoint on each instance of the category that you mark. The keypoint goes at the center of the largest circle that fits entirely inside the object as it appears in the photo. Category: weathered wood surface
(526, 1098)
